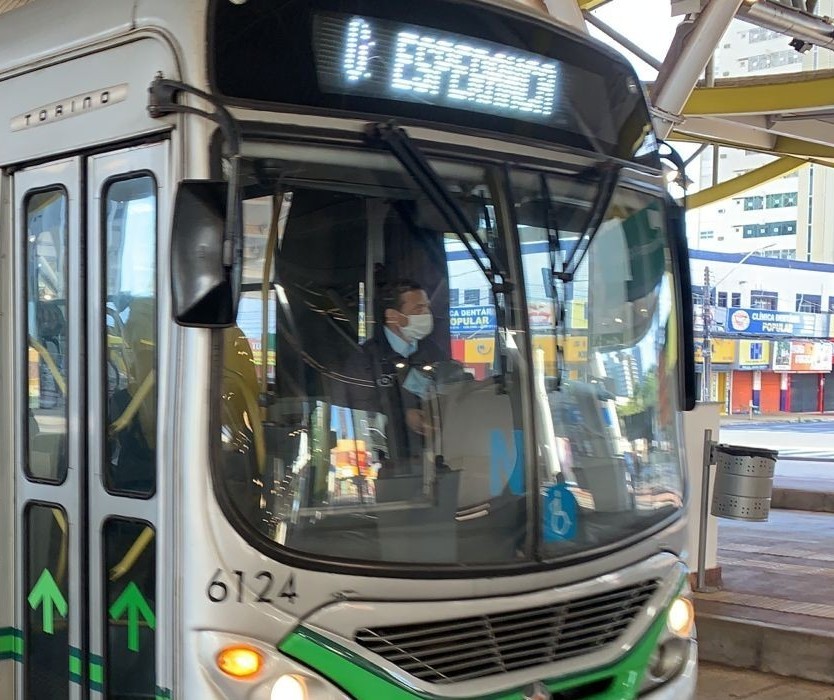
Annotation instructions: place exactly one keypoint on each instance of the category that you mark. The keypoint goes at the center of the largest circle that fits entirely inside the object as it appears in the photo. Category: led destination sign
(457, 64)
(378, 58)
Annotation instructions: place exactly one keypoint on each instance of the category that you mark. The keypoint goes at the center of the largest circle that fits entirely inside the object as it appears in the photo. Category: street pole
(706, 387)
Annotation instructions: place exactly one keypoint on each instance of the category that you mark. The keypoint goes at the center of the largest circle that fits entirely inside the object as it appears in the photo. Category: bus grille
(474, 647)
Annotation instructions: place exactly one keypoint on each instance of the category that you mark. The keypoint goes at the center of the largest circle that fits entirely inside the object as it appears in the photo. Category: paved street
(722, 683)
(824, 425)
(808, 440)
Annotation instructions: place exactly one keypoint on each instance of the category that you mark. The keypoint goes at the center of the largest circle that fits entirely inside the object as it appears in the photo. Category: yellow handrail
(132, 408)
(50, 364)
(132, 554)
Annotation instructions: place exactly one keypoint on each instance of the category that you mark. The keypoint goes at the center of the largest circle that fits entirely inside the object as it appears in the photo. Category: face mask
(419, 326)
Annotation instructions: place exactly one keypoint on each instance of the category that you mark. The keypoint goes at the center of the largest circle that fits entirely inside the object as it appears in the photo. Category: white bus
(344, 350)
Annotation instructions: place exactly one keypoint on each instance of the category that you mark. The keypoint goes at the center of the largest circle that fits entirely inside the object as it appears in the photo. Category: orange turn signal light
(240, 662)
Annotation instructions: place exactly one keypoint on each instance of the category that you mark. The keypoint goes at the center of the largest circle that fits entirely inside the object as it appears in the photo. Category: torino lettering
(463, 73)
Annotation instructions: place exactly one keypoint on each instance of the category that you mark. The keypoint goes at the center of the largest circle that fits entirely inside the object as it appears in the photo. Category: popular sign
(466, 320)
(765, 322)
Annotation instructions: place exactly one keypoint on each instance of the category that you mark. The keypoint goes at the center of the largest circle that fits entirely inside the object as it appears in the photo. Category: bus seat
(483, 452)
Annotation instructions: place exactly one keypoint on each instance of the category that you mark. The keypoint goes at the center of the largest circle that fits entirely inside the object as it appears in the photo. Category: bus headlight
(303, 686)
(242, 668)
(675, 646)
(680, 620)
(290, 687)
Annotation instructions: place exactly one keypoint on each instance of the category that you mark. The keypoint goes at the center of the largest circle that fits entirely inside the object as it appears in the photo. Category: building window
(735, 299)
(831, 305)
(773, 60)
(752, 203)
(471, 297)
(775, 228)
(722, 299)
(698, 294)
(764, 300)
(454, 297)
(782, 254)
(811, 303)
(782, 199)
(756, 35)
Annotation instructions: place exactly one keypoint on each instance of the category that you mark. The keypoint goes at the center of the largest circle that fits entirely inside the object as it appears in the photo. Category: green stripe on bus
(11, 644)
(362, 679)
(96, 673)
(75, 665)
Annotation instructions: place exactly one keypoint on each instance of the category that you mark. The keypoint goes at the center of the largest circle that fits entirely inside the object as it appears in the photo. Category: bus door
(89, 601)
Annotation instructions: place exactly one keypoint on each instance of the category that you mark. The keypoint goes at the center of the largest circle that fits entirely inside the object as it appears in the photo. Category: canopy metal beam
(691, 48)
(730, 188)
(800, 92)
(623, 40)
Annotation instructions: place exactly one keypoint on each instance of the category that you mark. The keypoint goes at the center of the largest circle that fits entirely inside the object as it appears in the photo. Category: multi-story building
(791, 217)
(771, 331)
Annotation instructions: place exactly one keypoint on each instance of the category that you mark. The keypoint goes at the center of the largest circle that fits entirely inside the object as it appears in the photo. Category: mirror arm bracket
(162, 101)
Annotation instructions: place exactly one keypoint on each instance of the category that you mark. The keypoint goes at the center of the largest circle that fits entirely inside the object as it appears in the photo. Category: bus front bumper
(682, 687)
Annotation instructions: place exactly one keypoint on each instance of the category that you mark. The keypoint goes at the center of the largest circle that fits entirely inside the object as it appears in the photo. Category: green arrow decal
(47, 595)
(132, 601)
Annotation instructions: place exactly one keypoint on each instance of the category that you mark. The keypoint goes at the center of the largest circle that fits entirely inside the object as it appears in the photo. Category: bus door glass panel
(46, 316)
(349, 437)
(130, 357)
(49, 660)
(130, 335)
(604, 375)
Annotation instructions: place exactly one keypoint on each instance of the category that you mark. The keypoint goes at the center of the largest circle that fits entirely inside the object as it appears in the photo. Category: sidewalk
(722, 683)
(778, 417)
(775, 612)
(803, 485)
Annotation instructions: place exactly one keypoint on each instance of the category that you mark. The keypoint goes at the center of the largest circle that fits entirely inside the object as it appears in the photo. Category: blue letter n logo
(506, 468)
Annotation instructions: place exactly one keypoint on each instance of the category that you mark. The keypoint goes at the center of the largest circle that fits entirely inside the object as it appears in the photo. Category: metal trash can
(743, 482)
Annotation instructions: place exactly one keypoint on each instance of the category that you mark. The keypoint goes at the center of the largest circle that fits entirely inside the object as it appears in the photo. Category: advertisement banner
(578, 315)
(723, 351)
(468, 320)
(802, 356)
(574, 349)
(479, 351)
(786, 323)
(541, 313)
(753, 354)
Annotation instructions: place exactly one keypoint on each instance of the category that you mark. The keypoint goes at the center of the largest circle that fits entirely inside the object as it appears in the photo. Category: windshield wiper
(609, 178)
(399, 143)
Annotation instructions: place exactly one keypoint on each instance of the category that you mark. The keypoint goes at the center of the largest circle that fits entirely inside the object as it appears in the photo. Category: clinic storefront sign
(753, 354)
(784, 323)
(802, 356)
(468, 320)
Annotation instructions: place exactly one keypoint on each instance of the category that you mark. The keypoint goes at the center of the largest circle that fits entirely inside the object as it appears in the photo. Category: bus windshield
(377, 402)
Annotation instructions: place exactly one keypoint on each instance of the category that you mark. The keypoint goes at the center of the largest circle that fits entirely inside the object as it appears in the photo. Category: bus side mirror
(679, 247)
(202, 287)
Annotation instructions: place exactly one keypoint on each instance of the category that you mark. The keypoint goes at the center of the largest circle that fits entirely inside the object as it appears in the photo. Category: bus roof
(34, 31)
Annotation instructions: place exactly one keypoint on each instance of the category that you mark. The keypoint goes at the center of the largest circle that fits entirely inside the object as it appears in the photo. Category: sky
(646, 22)
(649, 24)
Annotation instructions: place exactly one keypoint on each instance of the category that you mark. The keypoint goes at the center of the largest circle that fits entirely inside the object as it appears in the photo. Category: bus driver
(388, 373)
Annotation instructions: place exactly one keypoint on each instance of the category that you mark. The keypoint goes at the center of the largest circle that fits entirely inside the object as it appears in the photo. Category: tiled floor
(780, 571)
